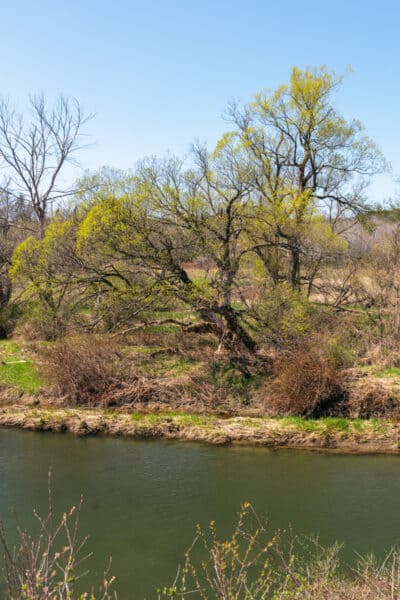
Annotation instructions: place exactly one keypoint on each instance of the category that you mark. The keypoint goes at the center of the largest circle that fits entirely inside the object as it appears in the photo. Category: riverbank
(338, 434)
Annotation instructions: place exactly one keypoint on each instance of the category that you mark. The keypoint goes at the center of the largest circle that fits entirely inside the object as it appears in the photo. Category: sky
(159, 74)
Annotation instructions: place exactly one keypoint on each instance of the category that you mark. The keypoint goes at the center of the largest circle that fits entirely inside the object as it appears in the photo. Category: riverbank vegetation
(255, 564)
(375, 435)
(250, 279)
(252, 564)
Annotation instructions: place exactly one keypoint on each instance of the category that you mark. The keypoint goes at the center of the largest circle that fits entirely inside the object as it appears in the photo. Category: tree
(176, 215)
(307, 159)
(35, 151)
(45, 269)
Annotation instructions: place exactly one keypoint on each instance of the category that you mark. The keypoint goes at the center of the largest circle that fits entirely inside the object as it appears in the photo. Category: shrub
(306, 384)
(257, 564)
(282, 316)
(84, 368)
(91, 370)
(39, 322)
(9, 314)
(252, 563)
(341, 353)
(47, 565)
(372, 399)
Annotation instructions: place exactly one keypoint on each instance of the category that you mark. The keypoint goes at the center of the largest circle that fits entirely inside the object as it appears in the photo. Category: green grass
(17, 369)
(199, 420)
(178, 417)
(357, 425)
(378, 425)
(390, 372)
(22, 376)
(335, 424)
(179, 315)
(324, 425)
(152, 418)
(144, 349)
(299, 423)
(164, 365)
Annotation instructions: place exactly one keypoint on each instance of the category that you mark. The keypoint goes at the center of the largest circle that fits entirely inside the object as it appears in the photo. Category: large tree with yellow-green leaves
(308, 161)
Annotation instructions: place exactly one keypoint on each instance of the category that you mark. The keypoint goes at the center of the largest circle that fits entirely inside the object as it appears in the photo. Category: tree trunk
(234, 332)
(294, 268)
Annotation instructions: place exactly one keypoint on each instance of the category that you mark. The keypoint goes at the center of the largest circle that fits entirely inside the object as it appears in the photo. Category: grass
(178, 417)
(335, 424)
(179, 315)
(375, 435)
(227, 376)
(164, 365)
(390, 372)
(324, 425)
(21, 376)
(298, 423)
(144, 350)
(17, 370)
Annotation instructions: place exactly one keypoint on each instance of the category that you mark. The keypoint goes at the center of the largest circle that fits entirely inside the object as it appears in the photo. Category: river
(142, 499)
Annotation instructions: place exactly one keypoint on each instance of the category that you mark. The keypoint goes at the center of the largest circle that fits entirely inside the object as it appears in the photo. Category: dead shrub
(372, 399)
(91, 370)
(85, 368)
(306, 384)
(385, 354)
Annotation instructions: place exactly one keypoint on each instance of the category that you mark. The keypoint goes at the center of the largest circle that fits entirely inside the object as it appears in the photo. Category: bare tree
(34, 151)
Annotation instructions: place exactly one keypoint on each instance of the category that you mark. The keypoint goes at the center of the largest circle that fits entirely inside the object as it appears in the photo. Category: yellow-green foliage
(110, 224)
(283, 314)
(25, 259)
(39, 262)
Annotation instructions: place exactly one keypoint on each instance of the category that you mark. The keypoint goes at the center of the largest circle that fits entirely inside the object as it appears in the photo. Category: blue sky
(158, 74)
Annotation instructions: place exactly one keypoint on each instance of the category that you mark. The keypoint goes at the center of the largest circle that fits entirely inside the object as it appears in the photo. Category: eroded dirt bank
(374, 436)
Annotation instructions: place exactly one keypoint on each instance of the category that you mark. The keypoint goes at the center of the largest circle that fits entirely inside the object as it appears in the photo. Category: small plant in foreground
(251, 564)
(254, 564)
(49, 565)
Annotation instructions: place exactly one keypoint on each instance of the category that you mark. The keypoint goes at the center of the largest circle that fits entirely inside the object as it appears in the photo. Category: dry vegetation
(253, 563)
(181, 371)
(256, 564)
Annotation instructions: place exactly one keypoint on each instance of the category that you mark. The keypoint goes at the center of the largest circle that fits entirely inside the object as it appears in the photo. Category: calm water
(143, 499)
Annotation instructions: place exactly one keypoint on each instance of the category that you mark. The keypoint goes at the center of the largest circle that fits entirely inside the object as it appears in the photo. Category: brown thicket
(306, 384)
(92, 370)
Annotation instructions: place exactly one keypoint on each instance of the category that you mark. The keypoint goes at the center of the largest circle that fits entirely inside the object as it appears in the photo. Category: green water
(143, 499)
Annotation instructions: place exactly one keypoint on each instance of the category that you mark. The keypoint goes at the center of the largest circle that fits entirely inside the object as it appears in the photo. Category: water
(142, 499)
